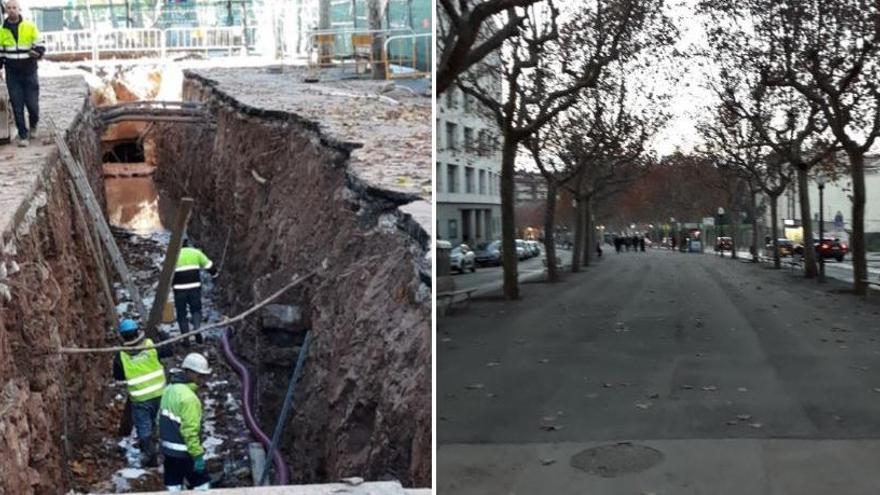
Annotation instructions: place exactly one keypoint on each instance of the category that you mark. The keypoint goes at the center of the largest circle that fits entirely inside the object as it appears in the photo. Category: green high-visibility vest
(28, 38)
(144, 374)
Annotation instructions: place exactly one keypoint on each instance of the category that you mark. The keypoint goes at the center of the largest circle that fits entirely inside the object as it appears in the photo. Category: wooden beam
(183, 211)
(77, 173)
(110, 311)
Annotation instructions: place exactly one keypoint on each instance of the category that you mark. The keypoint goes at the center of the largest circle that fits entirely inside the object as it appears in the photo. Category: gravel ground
(393, 129)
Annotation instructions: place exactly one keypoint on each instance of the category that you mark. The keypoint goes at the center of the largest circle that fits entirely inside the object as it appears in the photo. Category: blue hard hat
(128, 325)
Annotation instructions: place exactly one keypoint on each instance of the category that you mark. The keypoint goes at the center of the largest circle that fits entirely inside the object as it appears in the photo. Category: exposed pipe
(281, 475)
(288, 403)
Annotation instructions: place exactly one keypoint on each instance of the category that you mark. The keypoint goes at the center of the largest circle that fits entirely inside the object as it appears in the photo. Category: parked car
(462, 258)
(724, 244)
(828, 248)
(522, 252)
(786, 248)
(534, 247)
(488, 254)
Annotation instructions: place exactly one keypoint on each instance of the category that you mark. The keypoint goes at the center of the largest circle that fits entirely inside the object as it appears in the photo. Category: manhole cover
(609, 461)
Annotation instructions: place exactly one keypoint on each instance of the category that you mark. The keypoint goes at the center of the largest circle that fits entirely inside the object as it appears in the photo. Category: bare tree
(543, 70)
(829, 53)
(544, 151)
(603, 147)
(466, 34)
(741, 141)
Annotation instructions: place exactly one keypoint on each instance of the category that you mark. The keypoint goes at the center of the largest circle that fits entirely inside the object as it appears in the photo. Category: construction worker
(187, 284)
(145, 376)
(20, 48)
(180, 420)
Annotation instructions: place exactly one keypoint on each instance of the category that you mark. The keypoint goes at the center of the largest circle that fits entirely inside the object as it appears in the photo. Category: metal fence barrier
(402, 56)
(332, 47)
(144, 40)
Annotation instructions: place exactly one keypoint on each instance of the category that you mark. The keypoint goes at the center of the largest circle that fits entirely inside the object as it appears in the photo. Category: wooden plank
(96, 255)
(77, 173)
(183, 212)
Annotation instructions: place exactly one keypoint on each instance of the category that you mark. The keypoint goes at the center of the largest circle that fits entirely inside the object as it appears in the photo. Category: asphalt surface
(703, 356)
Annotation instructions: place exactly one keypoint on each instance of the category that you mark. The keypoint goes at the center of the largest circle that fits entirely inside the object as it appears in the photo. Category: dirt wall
(282, 192)
(49, 294)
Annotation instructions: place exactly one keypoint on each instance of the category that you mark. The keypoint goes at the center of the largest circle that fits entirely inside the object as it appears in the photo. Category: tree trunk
(299, 26)
(508, 219)
(807, 222)
(578, 237)
(753, 212)
(324, 23)
(375, 14)
(324, 14)
(549, 230)
(734, 227)
(588, 231)
(857, 239)
(774, 230)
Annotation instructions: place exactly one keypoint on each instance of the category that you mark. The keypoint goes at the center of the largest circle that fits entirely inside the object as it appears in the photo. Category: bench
(448, 299)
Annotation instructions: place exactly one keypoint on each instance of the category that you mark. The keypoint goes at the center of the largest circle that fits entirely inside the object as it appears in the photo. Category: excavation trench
(275, 197)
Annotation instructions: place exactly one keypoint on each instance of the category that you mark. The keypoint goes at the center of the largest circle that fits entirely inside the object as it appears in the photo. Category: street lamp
(820, 181)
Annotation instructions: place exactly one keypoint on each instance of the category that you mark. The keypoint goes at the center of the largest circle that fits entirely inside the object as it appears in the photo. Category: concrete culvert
(280, 190)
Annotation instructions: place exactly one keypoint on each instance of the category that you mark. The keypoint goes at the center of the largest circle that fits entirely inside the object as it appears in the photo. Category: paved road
(733, 371)
(489, 278)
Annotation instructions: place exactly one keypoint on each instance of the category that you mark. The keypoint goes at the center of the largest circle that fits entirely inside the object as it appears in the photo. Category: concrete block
(281, 317)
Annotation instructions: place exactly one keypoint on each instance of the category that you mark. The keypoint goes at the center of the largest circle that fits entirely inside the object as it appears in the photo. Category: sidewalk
(706, 467)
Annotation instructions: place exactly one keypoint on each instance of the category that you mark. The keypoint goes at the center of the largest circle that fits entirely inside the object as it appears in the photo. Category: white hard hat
(196, 362)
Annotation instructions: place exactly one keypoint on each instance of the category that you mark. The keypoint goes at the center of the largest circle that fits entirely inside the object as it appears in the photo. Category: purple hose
(281, 476)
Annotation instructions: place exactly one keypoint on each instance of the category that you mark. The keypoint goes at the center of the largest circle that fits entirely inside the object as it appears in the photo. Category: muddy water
(135, 204)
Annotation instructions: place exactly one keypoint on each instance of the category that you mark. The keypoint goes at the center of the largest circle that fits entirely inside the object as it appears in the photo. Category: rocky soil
(283, 194)
(49, 294)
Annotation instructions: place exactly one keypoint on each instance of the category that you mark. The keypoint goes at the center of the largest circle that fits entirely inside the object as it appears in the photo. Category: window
(451, 130)
(450, 98)
(482, 144)
(468, 139)
(469, 180)
(439, 177)
(452, 230)
(468, 102)
(437, 133)
(482, 182)
(452, 178)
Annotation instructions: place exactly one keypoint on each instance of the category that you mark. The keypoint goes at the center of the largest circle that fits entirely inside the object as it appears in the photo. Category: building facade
(837, 207)
(468, 171)
(531, 188)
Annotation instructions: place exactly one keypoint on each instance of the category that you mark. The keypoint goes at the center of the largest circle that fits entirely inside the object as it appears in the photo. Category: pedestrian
(20, 48)
(617, 243)
(180, 421)
(144, 375)
(187, 285)
(673, 243)
(642, 244)
(599, 249)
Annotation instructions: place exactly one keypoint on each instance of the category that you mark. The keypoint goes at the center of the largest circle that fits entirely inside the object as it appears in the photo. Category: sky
(690, 97)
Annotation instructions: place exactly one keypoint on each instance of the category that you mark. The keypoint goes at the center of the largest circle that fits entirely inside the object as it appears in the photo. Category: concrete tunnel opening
(277, 195)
